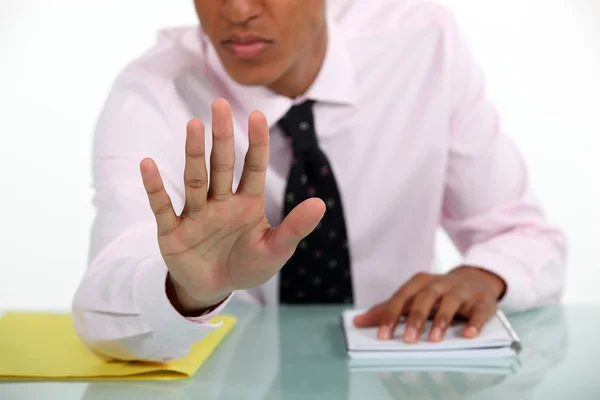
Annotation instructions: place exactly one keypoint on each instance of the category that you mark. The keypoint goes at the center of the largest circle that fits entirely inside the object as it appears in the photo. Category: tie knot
(299, 125)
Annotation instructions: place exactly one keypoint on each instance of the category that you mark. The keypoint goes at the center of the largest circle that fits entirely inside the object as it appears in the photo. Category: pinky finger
(481, 313)
(160, 202)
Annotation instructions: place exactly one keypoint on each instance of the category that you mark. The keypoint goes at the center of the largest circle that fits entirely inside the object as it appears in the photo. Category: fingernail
(410, 335)
(471, 331)
(436, 334)
(385, 333)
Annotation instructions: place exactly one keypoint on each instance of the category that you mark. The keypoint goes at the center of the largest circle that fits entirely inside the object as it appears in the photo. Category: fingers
(481, 313)
(449, 306)
(252, 182)
(160, 202)
(298, 224)
(370, 318)
(222, 156)
(422, 308)
(395, 306)
(195, 176)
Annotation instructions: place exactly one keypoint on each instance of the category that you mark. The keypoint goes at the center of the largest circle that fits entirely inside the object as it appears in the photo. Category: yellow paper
(36, 346)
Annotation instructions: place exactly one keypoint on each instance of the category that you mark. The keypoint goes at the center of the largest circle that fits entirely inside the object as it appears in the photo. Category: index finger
(370, 318)
(257, 158)
(160, 202)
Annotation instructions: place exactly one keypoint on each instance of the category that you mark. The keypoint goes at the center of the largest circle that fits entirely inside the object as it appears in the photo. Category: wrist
(495, 282)
(188, 305)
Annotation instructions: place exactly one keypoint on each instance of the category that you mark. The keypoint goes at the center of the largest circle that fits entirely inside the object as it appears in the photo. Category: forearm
(532, 263)
(121, 309)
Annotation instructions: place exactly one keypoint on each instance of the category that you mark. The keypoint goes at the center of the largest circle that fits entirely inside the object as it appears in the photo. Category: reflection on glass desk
(299, 353)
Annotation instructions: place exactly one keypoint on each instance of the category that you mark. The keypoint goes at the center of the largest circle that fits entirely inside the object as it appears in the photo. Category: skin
(222, 242)
(296, 30)
(467, 292)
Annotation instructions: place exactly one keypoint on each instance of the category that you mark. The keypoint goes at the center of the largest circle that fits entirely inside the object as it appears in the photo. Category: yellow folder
(38, 346)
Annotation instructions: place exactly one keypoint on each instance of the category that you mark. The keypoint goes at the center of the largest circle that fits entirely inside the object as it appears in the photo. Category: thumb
(298, 224)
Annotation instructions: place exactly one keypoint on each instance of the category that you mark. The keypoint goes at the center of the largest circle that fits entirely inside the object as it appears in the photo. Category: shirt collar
(335, 84)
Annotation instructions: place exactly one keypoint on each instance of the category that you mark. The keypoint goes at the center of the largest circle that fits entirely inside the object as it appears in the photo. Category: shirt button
(304, 126)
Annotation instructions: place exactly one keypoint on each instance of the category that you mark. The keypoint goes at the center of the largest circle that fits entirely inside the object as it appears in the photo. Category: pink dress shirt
(413, 140)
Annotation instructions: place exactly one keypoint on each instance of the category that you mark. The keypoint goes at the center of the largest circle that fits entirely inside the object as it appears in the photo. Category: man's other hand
(467, 292)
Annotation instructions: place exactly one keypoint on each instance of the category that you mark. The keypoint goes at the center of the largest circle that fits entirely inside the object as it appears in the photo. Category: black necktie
(319, 270)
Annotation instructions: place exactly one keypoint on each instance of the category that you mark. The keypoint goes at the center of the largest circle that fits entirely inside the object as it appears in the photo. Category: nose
(241, 12)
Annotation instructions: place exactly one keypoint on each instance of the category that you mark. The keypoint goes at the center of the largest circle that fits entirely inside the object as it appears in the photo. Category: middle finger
(222, 156)
(449, 306)
(419, 313)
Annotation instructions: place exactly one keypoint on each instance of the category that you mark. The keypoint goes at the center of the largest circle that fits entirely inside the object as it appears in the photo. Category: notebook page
(414, 356)
(494, 334)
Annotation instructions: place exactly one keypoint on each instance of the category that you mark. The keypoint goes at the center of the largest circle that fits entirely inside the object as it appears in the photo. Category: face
(261, 42)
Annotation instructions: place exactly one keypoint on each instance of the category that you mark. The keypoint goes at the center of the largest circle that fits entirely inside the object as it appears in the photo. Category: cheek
(208, 18)
(297, 33)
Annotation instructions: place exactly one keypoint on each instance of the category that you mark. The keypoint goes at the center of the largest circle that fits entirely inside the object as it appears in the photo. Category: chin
(252, 75)
(251, 79)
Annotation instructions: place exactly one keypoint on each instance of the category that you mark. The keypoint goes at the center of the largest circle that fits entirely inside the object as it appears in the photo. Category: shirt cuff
(157, 310)
(512, 271)
(210, 313)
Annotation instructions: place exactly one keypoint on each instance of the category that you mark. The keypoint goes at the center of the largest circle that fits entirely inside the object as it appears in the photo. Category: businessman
(300, 152)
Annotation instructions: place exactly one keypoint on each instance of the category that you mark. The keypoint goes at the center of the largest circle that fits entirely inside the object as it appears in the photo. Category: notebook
(44, 346)
(497, 346)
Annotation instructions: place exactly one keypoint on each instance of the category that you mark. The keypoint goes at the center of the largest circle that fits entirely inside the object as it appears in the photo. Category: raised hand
(222, 241)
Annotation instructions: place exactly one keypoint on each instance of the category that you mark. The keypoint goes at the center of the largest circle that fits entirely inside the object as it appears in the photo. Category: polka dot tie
(319, 270)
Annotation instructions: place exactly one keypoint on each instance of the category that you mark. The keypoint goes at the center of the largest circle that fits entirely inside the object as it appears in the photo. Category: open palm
(222, 240)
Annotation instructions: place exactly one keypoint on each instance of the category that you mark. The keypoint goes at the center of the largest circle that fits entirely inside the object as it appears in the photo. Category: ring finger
(419, 313)
(449, 306)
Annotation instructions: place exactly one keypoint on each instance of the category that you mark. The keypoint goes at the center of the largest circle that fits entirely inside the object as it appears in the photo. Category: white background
(58, 59)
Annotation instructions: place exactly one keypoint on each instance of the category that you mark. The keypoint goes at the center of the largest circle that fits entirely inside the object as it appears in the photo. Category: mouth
(246, 47)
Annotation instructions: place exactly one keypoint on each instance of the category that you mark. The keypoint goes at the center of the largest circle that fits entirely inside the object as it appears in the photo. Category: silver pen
(516, 341)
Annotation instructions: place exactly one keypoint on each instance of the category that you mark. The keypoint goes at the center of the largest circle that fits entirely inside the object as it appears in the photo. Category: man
(367, 128)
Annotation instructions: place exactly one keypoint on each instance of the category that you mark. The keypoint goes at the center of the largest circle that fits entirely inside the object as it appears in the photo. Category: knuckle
(196, 183)
(196, 208)
(421, 276)
(453, 298)
(162, 209)
(479, 297)
(221, 167)
(416, 316)
(166, 231)
(399, 298)
(460, 295)
(218, 197)
(153, 193)
(389, 315)
(442, 320)
(196, 155)
(429, 291)
(256, 168)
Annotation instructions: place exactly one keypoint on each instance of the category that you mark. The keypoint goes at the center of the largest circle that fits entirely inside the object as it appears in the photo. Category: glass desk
(299, 353)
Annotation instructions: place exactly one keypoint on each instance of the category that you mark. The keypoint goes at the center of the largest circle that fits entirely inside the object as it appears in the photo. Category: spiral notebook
(497, 345)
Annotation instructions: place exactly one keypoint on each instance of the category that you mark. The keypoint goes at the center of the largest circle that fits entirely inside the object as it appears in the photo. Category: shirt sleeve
(490, 210)
(121, 309)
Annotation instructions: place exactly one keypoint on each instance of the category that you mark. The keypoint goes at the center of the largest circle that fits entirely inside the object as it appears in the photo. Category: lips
(246, 47)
